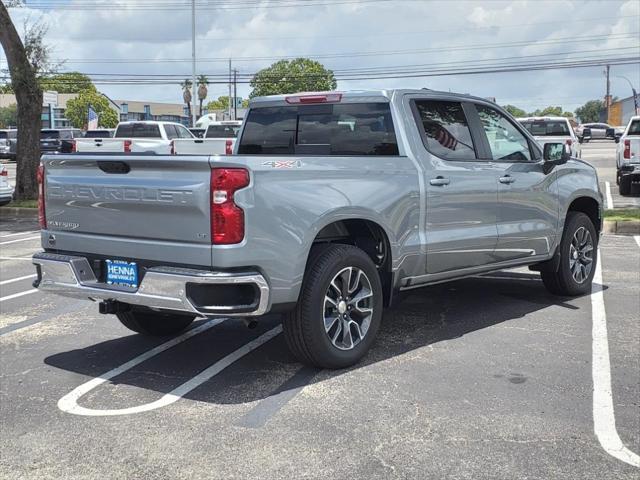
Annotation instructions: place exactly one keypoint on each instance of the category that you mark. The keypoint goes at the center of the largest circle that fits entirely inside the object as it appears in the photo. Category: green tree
(203, 91)
(78, 108)
(515, 111)
(590, 111)
(222, 103)
(68, 82)
(291, 76)
(8, 116)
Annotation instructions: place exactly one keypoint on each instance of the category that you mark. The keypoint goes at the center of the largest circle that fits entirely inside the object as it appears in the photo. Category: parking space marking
(637, 239)
(16, 258)
(45, 316)
(5, 282)
(69, 403)
(16, 295)
(604, 421)
(20, 240)
(607, 187)
(30, 232)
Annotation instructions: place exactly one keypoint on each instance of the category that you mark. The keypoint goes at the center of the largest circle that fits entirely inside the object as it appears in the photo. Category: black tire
(304, 326)
(148, 322)
(563, 282)
(624, 186)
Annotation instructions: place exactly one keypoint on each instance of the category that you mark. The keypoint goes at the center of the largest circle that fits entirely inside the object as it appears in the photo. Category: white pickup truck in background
(219, 139)
(137, 137)
(628, 156)
(553, 130)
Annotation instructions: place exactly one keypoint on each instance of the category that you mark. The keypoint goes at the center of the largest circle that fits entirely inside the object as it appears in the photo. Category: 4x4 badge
(282, 164)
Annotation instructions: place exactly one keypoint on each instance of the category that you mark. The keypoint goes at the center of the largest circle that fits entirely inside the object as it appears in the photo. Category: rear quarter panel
(290, 199)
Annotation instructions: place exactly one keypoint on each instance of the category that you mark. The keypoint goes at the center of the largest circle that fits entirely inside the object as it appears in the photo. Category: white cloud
(374, 27)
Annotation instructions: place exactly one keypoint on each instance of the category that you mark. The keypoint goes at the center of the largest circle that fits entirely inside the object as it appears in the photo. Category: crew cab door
(461, 189)
(528, 214)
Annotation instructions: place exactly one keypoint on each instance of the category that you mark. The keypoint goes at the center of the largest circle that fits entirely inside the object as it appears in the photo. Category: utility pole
(607, 98)
(193, 63)
(229, 89)
(235, 94)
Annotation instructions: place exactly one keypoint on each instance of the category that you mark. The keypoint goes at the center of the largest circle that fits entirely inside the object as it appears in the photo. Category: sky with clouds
(116, 39)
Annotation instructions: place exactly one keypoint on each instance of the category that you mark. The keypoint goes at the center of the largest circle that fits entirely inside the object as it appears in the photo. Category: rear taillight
(627, 149)
(4, 172)
(227, 219)
(228, 147)
(569, 142)
(73, 146)
(42, 219)
(127, 146)
(172, 148)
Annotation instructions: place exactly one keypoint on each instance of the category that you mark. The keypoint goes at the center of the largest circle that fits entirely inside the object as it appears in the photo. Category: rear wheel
(148, 322)
(578, 257)
(624, 185)
(339, 310)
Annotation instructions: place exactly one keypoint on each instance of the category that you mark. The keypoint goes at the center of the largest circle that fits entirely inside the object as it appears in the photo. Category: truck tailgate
(139, 206)
(100, 145)
(202, 146)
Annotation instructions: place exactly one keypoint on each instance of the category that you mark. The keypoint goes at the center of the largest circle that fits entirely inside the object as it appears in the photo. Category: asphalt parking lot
(487, 377)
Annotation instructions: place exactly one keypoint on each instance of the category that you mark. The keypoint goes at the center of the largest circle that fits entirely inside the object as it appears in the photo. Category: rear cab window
(222, 131)
(138, 130)
(340, 129)
(547, 128)
(634, 128)
(49, 134)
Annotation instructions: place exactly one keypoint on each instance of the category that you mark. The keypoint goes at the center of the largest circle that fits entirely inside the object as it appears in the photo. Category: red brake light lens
(73, 146)
(627, 149)
(42, 219)
(4, 172)
(569, 142)
(127, 146)
(323, 98)
(228, 147)
(227, 219)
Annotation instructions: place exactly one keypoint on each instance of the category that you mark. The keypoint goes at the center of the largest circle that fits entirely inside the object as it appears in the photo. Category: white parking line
(16, 258)
(16, 295)
(637, 239)
(604, 421)
(69, 403)
(607, 187)
(20, 240)
(5, 282)
(30, 232)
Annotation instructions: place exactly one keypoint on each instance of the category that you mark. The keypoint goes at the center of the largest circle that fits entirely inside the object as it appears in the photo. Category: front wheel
(158, 324)
(339, 310)
(578, 257)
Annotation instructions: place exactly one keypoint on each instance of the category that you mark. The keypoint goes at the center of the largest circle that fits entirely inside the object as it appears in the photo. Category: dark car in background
(58, 140)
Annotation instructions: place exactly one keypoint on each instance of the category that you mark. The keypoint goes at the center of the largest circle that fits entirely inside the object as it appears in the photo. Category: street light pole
(633, 91)
(193, 63)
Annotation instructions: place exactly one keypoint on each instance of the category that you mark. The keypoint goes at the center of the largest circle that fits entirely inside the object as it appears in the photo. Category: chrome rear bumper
(162, 287)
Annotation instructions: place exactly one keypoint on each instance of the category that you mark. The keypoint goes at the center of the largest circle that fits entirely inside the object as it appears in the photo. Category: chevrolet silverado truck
(553, 130)
(330, 205)
(136, 137)
(628, 156)
(219, 139)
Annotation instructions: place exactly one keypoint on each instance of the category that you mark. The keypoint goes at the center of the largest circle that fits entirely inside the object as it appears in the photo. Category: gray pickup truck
(331, 204)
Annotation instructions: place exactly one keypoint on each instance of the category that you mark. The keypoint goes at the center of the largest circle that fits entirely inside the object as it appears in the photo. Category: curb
(629, 227)
(20, 211)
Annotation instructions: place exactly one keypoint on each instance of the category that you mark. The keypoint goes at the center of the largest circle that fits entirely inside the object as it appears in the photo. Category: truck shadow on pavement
(422, 317)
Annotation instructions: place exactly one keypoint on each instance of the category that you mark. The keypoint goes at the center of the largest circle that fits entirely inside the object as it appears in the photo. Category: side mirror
(556, 153)
(617, 139)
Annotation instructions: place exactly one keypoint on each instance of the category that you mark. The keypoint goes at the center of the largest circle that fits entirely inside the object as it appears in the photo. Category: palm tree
(186, 95)
(203, 81)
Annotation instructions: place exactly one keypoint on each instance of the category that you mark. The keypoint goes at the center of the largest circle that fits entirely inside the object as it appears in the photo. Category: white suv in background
(553, 130)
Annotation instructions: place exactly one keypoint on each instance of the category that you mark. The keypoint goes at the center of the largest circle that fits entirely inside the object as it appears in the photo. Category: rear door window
(445, 130)
(348, 129)
(171, 132)
(138, 130)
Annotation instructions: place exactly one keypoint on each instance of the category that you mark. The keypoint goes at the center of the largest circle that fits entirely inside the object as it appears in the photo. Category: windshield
(138, 130)
(541, 128)
(223, 131)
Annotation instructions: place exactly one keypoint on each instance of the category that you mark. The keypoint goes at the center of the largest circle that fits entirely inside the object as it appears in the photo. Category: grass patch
(24, 204)
(623, 214)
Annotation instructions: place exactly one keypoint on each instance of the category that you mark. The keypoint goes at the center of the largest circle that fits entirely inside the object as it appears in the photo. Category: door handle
(507, 179)
(439, 181)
